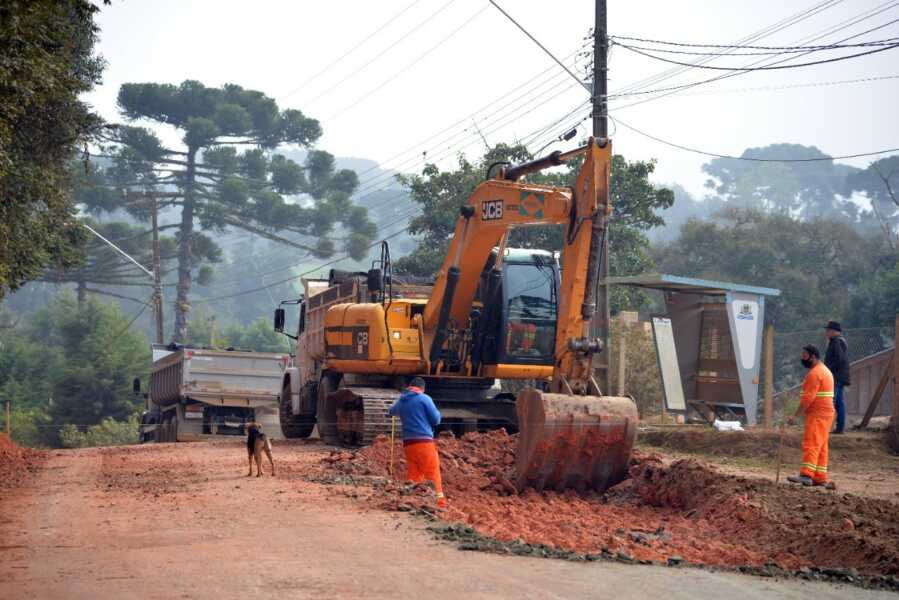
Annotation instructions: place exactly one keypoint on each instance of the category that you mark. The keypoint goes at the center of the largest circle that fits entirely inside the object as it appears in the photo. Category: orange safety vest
(817, 392)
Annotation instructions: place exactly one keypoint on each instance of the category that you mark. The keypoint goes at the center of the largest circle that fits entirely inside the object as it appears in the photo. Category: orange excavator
(492, 313)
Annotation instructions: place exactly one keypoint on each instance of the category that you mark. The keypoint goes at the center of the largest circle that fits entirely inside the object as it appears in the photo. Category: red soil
(684, 510)
(17, 463)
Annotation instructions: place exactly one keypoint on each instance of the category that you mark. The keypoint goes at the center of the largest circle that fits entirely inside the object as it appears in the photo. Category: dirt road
(182, 521)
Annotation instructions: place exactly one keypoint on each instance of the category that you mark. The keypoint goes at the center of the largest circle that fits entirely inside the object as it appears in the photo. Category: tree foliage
(807, 189)
(71, 364)
(226, 175)
(879, 183)
(822, 266)
(46, 62)
(635, 206)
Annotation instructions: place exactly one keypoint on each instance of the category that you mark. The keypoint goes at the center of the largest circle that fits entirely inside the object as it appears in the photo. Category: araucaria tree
(226, 175)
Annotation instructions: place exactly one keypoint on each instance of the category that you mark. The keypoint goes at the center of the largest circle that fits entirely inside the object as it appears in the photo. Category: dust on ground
(668, 511)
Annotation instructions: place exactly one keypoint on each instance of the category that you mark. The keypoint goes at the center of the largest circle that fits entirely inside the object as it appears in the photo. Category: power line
(789, 86)
(751, 47)
(542, 47)
(403, 38)
(776, 50)
(821, 34)
(760, 34)
(289, 279)
(351, 50)
(763, 68)
(405, 69)
(747, 158)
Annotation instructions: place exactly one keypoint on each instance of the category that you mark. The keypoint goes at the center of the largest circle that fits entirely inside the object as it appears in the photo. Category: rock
(848, 525)
(674, 561)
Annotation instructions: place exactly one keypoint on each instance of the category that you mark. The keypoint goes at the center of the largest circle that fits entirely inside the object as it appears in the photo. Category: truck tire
(293, 426)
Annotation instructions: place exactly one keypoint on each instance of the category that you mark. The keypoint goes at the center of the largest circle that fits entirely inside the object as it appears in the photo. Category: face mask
(806, 362)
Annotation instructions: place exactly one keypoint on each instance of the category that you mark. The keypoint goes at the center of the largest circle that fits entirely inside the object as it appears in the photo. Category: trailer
(202, 393)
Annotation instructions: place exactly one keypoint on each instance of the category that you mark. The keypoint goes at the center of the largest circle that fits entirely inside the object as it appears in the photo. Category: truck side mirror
(135, 386)
(279, 320)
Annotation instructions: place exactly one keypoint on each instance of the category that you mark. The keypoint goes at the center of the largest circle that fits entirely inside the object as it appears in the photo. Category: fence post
(769, 376)
(622, 357)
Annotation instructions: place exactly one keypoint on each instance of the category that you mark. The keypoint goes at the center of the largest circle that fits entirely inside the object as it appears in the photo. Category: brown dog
(257, 442)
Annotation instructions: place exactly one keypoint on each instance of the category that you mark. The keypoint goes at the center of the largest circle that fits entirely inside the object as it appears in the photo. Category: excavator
(493, 312)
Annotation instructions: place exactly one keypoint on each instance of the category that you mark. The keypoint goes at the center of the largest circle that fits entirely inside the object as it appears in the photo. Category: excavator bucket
(579, 442)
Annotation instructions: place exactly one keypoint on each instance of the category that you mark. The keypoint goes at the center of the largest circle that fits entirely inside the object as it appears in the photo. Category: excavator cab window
(530, 306)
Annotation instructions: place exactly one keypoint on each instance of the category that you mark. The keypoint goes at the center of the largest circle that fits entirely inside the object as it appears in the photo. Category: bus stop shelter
(708, 343)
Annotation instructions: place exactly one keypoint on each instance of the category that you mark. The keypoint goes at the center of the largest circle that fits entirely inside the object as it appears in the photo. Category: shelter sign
(666, 352)
(746, 314)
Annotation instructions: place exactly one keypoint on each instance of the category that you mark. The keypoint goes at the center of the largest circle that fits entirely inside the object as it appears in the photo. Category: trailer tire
(293, 426)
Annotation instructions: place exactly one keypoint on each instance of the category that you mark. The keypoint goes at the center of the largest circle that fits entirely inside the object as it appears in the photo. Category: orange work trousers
(423, 463)
(814, 446)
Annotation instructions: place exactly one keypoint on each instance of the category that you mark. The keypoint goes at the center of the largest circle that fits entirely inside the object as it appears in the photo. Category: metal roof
(688, 285)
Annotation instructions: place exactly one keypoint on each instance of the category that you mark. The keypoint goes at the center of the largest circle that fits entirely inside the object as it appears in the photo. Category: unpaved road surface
(183, 521)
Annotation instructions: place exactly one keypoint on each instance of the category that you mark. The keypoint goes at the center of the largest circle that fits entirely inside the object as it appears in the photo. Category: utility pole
(600, 322)
(157, 275)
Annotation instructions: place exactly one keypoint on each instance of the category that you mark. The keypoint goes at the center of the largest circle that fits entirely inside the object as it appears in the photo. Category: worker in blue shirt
(420, 417)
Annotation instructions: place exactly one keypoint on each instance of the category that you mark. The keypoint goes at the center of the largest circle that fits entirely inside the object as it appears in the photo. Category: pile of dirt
(680, 512)
(760, 443)
(17, 464)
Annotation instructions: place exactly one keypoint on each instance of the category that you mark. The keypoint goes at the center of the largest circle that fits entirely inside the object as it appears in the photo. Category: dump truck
(204, 393)
(358, 341)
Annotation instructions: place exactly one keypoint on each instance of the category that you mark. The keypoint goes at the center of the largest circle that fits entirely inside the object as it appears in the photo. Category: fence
(870, 350)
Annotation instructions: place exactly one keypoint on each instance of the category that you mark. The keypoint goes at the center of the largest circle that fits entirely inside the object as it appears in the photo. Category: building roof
(688, 285)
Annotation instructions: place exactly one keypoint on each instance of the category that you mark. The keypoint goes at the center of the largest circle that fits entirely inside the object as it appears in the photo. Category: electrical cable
(814, 37)
(406, 68)
(383, 52)
(743, 47)
(778, 52)
(763, 68)
(746, 158)
(331, 64)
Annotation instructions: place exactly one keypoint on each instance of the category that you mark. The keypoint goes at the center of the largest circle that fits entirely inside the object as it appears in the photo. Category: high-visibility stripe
(824, 394)
(440, 494)
(820, 469)
(810, 466)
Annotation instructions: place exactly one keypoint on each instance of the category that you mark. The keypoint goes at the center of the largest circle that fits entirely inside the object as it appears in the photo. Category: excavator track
(362, 413)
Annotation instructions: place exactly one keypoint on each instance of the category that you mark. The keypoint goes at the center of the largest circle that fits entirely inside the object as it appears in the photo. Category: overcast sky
(443, 61)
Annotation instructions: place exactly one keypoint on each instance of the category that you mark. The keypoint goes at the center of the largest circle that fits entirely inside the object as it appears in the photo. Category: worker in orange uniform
(816, 404)
(420, 416)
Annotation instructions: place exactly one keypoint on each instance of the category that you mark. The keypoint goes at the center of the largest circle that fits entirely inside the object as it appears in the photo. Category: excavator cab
(516, 326)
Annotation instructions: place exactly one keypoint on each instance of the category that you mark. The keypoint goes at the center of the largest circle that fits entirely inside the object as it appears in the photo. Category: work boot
(803, 479)
(828, 485)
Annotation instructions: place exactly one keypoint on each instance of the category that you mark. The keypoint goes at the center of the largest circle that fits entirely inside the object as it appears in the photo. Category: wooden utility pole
(157, 275)
(601, 316)
(769, 376)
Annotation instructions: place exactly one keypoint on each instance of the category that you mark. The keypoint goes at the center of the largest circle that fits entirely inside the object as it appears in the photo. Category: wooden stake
(622, 356)
(769, 377)
(780, 448)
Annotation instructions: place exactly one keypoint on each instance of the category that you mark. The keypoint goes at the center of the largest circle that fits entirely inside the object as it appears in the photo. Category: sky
(397, 80)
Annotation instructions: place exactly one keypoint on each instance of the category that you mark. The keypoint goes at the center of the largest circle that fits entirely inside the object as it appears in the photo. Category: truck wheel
(326, 411)
(293, 426)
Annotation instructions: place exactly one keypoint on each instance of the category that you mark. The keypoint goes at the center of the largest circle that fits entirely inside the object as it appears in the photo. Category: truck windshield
(530, 310)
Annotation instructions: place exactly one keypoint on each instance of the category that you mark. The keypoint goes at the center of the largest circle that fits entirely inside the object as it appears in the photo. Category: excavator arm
(570, 436)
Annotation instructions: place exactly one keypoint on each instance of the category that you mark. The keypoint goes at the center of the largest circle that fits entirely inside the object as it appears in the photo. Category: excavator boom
(572, 436)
